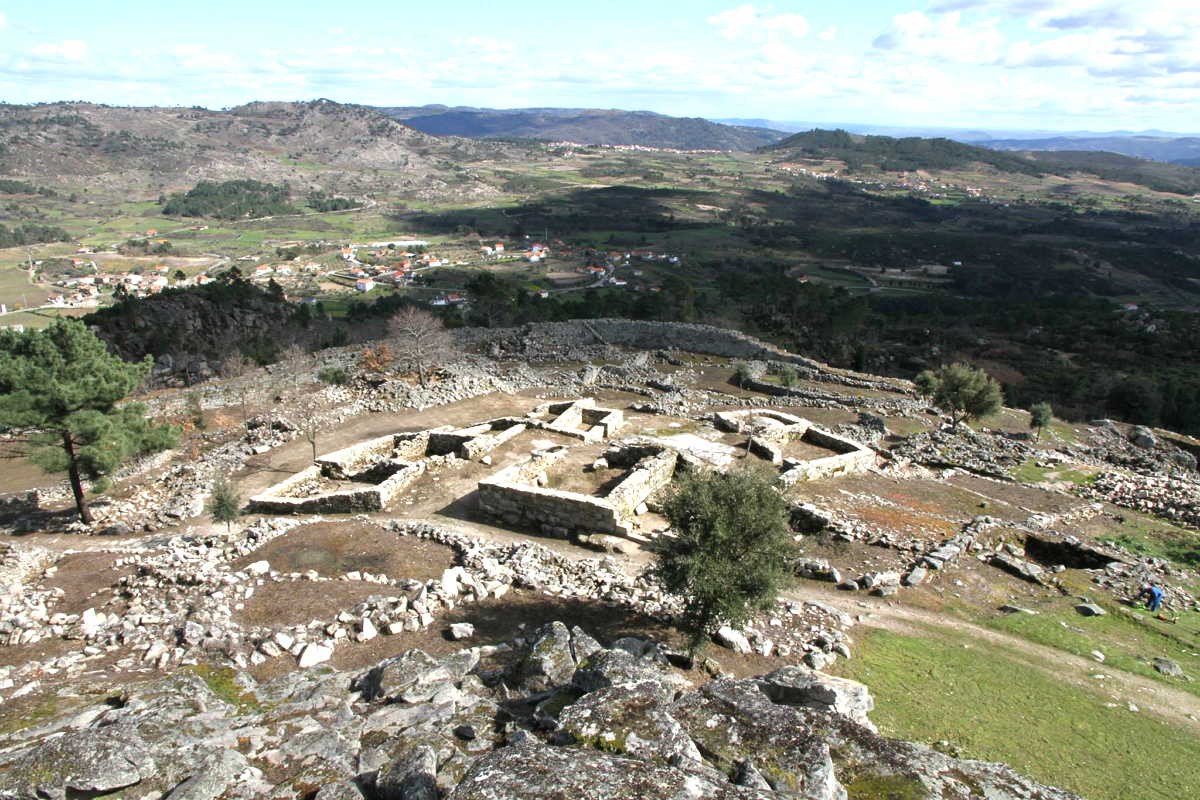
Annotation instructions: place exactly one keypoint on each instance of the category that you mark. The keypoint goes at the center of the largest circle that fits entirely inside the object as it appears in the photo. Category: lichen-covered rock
(536, 772)
(630, 719)
(550, 661)
(216, 775)
(411, 777)
(730, 719)
(616, 667)
(83, 763)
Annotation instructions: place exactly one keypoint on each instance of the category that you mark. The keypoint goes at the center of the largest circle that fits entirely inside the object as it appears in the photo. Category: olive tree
(1040, 417)
(962, 391)
(732, 552)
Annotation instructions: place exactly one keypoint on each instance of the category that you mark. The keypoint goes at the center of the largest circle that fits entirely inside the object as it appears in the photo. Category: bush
(732, 552)
(788, 376)
(337, 376)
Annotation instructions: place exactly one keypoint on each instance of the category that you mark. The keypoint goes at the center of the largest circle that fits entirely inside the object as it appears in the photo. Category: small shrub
(337, 376)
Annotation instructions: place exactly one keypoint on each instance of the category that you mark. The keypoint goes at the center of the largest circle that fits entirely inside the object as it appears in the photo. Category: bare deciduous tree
(420, 340)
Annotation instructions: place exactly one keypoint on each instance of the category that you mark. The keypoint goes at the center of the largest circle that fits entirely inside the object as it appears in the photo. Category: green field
(948, 687)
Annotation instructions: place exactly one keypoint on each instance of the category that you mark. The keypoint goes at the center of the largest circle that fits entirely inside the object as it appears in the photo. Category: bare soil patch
(334, 548)
(1026, 498)
(277, 604)
(88, 580)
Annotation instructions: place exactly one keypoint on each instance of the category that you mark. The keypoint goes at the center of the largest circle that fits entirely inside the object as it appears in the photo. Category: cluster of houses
(388, 263)
(85, 290)
(534, 252)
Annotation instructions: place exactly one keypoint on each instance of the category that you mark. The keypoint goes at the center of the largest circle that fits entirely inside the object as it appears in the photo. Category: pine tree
(65, 389)
(224, 505)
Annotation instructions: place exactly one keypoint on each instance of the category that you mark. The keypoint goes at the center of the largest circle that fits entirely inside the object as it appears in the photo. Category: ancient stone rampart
(564, 339)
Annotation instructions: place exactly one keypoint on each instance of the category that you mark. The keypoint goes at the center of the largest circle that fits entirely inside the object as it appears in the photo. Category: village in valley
(308, 272)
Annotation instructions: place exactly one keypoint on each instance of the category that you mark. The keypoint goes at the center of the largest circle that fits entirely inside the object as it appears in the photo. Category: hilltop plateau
(441, 591)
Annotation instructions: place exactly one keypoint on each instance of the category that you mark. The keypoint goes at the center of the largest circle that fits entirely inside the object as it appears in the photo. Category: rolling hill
(318, 144)
(585, 126)
(910, 154)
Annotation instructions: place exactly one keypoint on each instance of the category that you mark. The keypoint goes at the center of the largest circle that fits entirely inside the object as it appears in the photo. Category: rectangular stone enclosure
(770, 431)
(377, 470)
(518, 495)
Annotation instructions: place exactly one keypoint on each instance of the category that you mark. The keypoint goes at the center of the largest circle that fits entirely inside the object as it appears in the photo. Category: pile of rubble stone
(1176, 498)
(180, 603)
(985, 454)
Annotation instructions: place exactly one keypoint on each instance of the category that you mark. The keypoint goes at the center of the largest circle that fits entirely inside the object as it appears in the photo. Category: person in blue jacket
(1154, 595)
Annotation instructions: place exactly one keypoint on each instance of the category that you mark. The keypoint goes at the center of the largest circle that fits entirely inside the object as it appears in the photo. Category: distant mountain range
(1181, 150)
(585, 126)
(1178, 148)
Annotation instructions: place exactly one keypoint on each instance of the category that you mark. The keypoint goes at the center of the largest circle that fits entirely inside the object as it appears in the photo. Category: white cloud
(748, 22)
(3, 21)
(67, 50)
(736, 21)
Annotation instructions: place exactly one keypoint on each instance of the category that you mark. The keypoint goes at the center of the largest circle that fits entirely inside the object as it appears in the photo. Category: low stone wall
(342, 501)
(648, 477)
(344, 464)
(514, 496)
(476, 441)
(19, 505)
(740, 420)
(852, 458)
(579, 419)
(559, 339)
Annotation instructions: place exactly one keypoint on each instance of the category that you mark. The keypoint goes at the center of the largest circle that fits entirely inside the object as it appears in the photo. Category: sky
(988, 64)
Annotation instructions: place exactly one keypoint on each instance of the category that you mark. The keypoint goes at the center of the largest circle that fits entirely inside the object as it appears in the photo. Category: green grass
(220, 680)
(992, 707)
(41, 710)
(1129, 639)
(1153, 537)
(1030, 472)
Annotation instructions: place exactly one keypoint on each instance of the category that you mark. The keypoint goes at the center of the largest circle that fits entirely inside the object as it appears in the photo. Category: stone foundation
(516, 495)
(766, 441)
(579, 419)
(383, 466)
(852, 458)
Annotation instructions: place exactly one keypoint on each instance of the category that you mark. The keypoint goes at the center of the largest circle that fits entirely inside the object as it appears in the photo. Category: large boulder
(731, 720)
(616, 667)
(85, 763)
(799, 686)
(550, 661)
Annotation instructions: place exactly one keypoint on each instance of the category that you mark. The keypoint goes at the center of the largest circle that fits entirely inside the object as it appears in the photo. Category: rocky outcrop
(550, 715)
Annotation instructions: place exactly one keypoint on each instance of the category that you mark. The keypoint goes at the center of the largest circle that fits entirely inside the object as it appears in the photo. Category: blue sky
(1047, 64)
